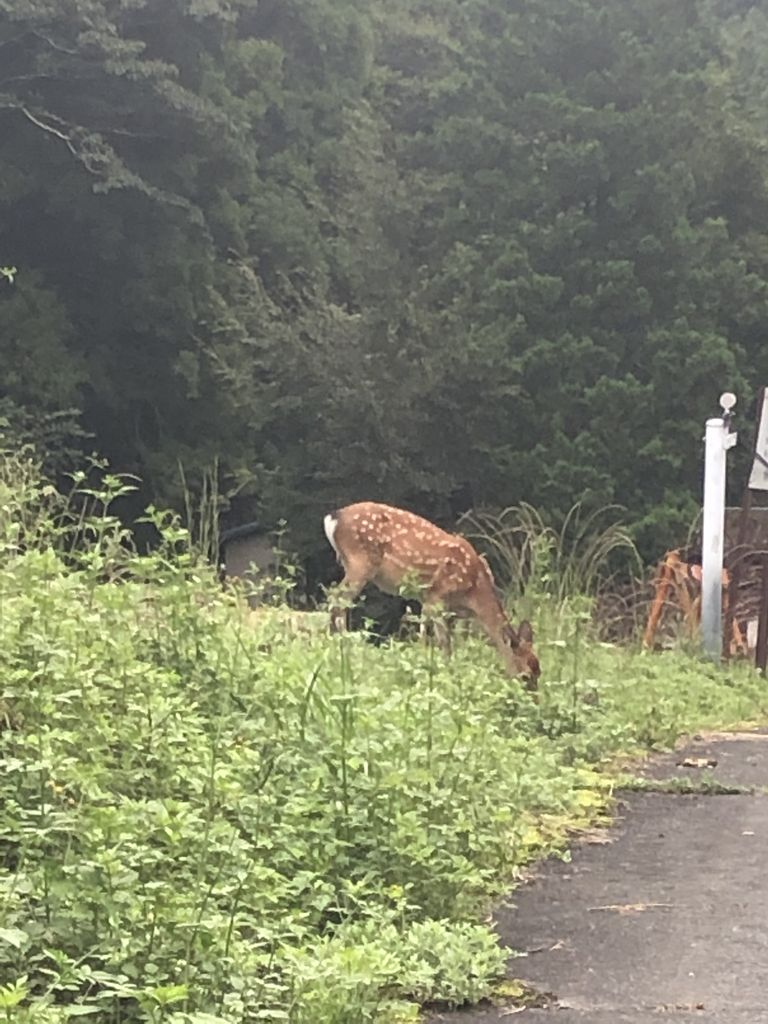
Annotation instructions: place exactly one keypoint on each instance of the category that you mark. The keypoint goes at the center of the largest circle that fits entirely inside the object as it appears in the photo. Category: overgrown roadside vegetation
(205, 816)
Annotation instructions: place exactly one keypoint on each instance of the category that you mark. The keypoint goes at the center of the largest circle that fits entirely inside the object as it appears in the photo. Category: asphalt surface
(665, 917)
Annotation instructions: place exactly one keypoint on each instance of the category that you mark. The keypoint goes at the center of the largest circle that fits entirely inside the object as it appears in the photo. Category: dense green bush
(205, 815)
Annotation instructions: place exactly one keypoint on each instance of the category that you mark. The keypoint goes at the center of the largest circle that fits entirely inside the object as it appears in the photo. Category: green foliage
(57, 437)
(398, 251)
(535, 561)
(207, 815)
(581, 273)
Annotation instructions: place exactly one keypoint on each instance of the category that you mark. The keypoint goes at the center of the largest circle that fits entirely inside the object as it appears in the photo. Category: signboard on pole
(758, 479)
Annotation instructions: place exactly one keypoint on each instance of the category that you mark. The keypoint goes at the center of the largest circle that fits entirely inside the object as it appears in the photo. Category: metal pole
(712, 537)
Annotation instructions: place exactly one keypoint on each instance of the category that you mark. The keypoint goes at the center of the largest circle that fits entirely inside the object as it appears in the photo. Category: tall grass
(207, 817)
(555, 564)
(202, 507)
(552, 575)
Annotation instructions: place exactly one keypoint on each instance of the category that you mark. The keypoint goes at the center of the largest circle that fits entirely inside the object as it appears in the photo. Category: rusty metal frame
(675, 578)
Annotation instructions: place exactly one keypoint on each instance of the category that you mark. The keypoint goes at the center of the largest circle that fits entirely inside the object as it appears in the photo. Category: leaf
(197, 1018)
(205, 1019)
(168, 994)
(14, 937)
(12, 995)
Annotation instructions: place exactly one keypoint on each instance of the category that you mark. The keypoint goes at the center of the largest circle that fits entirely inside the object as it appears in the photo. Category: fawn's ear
(510, 636)
(525, 632)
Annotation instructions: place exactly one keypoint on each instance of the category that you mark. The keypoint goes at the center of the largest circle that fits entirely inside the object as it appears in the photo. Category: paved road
(669, 921)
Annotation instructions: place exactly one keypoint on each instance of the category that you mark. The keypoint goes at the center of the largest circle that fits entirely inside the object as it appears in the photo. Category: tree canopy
(433, 253)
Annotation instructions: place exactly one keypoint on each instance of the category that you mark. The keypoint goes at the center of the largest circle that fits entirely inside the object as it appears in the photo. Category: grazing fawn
(397, 550)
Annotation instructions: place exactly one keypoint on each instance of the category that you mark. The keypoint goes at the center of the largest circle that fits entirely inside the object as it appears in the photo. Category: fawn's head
(519, 654)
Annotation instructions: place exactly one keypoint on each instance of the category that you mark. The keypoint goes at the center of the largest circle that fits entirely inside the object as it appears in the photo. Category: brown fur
(397, 550)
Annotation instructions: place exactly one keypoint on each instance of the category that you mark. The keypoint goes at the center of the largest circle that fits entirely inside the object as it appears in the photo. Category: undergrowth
(205, 816)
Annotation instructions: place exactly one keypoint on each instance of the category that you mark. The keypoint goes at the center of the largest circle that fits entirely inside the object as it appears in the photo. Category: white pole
(712, 537)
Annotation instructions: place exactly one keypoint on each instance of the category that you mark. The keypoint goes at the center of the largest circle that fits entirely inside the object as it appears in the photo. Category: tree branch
(66, 139)
(53, 46)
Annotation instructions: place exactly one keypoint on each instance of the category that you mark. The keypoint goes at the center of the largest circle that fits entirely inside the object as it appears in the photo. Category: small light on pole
(727, 402)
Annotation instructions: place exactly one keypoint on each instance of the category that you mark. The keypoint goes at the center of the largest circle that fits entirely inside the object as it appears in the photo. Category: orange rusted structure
(679, 582)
